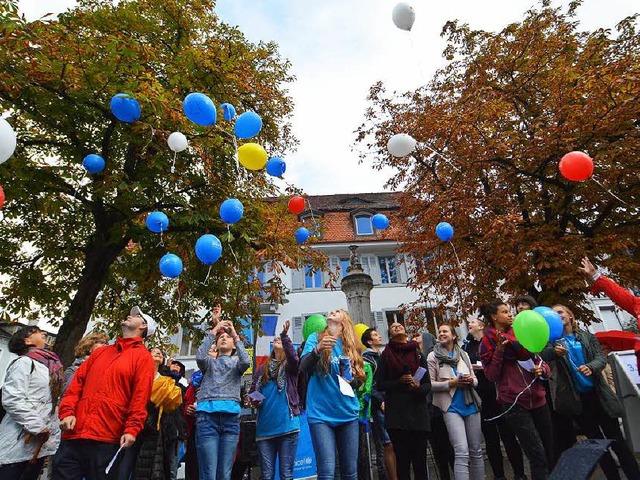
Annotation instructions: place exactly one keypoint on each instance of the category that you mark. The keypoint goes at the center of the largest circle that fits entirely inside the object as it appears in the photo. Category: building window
(364, 226)
(394, 316)
(344, 264)
(388, 270)
(312, 278)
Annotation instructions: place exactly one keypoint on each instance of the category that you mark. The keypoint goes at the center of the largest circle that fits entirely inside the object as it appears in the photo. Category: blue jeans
(284, 446)
(326, 439)
(216, 441)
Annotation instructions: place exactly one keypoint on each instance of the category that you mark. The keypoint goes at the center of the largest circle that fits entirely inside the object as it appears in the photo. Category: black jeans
(591, 420)
(493, 431)
(78, 459)
(22, 470)
(534, 432)
(410, 447)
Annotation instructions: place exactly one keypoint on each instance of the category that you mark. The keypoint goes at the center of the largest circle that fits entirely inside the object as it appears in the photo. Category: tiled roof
(345, 202)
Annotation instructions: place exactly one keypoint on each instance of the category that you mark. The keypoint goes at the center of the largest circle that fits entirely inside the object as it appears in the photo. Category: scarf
(402, 358)
(54, 365)
(513, 350)
(442, 355)
(274, 374)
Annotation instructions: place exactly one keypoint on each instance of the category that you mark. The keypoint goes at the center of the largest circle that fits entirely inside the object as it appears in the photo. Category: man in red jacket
(104, 407)
(618, 295)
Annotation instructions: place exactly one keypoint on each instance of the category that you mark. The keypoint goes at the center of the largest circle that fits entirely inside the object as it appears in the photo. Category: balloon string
(419, 62)
(173, 165)
(206, 279)
(153, 133)
(235, 152)
(437, 153)
(610, 192)
(178, 299)
(517, 397)
(230, 247)
(457, 260)
(161, 243)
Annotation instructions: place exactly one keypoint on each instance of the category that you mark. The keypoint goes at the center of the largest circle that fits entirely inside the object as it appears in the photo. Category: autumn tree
(75, 245)
(491, 128)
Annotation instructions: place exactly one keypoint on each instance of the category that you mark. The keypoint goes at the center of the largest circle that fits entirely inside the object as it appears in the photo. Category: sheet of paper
(527, 364)
(256, 396)
(419, 374)
(345, 388)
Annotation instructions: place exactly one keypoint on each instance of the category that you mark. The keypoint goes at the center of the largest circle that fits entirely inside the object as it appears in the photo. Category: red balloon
(296, 205)
(576, 166)
(1, 197)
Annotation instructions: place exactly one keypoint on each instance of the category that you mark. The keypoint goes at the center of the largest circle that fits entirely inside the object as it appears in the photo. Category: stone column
(357, 285)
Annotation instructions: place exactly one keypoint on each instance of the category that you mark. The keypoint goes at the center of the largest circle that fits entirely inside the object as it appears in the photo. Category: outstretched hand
(285, 328)
(587, 267)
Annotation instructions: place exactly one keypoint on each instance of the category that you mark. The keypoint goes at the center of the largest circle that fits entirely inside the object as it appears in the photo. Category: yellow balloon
(359, 329)
(252, 156)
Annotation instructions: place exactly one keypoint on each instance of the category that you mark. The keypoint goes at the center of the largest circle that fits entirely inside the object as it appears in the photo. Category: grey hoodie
(221, 377)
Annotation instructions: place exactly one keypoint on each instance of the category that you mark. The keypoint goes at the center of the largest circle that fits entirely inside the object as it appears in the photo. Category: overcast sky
(339, 48)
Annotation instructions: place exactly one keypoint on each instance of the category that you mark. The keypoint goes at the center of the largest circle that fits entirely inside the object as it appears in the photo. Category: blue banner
(305, 462)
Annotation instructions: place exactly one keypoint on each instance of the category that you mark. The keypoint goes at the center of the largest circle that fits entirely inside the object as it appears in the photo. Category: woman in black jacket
(579, 390)
(406, 406)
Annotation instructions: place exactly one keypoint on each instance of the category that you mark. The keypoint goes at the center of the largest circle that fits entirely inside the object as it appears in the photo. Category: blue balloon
(444, 231)
(228, 111)
(170, 265)
(93, 163)
(302, 235)
(248, 125)
(125, 108)
(157, 222)
(208, 249)
(231, 210)
(276, 167)
(380, 221)
(554, 320)
(200, 109)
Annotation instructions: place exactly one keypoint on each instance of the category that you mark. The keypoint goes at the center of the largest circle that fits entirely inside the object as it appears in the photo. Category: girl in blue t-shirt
(453, 382)
(332, 405)
(278, 404)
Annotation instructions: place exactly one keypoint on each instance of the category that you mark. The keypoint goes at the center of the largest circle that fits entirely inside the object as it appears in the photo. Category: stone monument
(357, 285)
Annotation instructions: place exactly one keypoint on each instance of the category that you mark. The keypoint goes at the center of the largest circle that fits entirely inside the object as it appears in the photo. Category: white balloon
(401, 145)
(177, 142)
(403, 16)
(7, 140)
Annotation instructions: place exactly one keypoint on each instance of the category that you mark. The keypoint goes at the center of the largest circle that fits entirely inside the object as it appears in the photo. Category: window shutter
(296, 334)
(297, 279)
(379, 323)
(370, 265)
(401, 268)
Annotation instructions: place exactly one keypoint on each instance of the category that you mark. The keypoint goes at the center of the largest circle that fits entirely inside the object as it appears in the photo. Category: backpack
(2, 410)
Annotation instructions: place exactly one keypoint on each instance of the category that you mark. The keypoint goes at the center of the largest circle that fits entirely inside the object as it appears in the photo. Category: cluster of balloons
(576, 166)
(535, 328)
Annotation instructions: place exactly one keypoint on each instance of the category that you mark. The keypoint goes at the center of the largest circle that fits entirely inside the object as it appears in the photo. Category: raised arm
(292, 364)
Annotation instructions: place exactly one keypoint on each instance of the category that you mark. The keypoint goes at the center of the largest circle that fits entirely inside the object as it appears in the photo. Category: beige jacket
(440, 376)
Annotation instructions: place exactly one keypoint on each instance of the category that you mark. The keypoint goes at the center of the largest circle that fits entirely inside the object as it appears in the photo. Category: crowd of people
(123, 411)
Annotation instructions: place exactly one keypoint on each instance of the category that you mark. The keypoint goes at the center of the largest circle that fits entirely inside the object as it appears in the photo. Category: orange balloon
(576, 166)
(296, 204)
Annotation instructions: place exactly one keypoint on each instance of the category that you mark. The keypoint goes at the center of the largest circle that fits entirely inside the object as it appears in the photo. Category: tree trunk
(100, 255)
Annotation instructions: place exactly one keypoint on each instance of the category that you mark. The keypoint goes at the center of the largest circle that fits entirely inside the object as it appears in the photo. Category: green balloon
(532, 330)
(315, 323)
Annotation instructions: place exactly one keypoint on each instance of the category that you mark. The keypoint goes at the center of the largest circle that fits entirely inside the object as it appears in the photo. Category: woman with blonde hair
(83, 349)
(333, 362)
